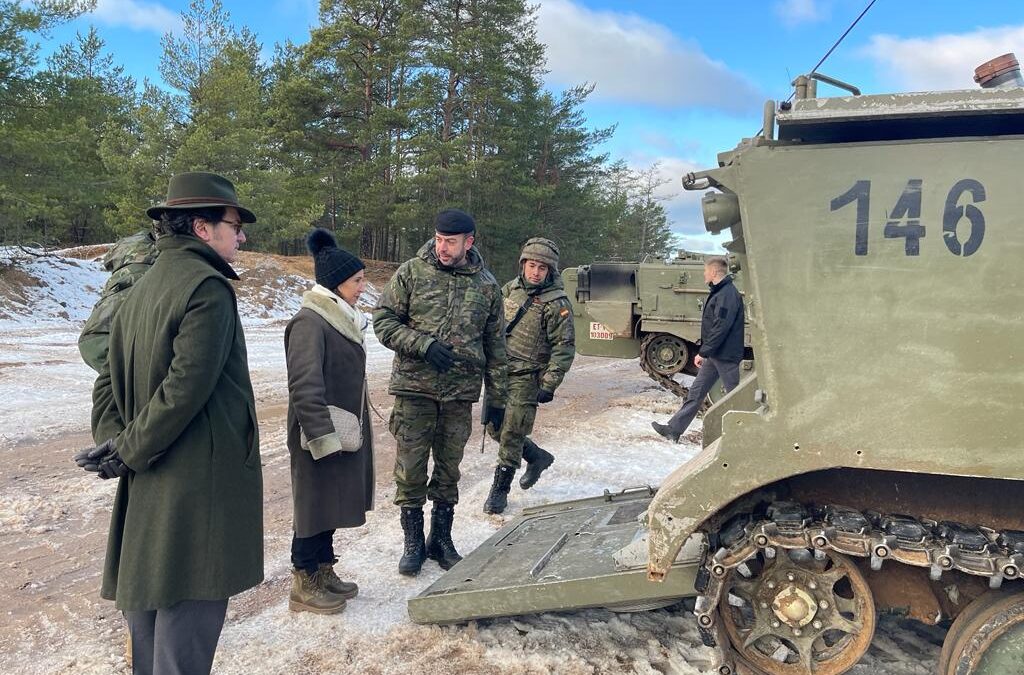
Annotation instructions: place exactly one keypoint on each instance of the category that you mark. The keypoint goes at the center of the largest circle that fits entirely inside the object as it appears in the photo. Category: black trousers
(179, 640)
(309, 552)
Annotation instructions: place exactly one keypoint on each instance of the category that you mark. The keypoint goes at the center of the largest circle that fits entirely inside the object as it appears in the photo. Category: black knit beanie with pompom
(332, 265)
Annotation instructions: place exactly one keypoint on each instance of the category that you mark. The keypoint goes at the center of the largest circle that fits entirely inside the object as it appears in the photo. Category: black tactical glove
(103, 460)
(440, 356)
(495, 417)
(545, 396)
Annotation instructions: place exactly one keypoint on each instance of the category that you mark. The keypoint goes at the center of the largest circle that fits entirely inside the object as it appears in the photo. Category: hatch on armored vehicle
(873, 460)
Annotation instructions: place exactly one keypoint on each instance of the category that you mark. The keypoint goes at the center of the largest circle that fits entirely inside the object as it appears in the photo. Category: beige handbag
(348, 427)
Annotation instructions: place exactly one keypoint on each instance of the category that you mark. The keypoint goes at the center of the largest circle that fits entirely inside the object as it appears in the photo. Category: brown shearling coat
(326, 368)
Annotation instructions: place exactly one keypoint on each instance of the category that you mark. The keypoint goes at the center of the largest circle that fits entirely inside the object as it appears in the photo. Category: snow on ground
(374, 635)
(598, 427)
(45, 387)
(59, 290)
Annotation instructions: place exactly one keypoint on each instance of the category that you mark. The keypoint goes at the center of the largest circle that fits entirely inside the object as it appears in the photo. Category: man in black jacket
(721, 346)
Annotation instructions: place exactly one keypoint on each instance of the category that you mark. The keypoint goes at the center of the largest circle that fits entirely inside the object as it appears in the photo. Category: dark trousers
(309, 552)
(179, 640)
(709, 372)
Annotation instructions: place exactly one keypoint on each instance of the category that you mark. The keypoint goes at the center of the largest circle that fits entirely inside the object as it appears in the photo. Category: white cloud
(795, 12)
(634, 60)
(703, 243)
(941, 61)
(671, 170)
(137, 15)
(681, 206)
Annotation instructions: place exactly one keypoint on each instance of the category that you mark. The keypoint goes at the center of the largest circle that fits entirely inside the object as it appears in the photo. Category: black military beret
(454, 221)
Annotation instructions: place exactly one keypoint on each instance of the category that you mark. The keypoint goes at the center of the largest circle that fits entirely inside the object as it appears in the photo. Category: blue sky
(681, 80)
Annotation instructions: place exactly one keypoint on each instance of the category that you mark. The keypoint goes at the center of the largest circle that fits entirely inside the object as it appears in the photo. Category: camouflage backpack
(127, 261)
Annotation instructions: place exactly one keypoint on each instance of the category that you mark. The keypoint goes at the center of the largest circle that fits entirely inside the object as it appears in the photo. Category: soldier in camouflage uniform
(127, 261)
(441, 314)
(541, 346)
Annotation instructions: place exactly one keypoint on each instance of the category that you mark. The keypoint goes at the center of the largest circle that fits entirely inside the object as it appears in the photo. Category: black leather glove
(495, 417)
(545, 396)
(103, 460)
(90, 458)
(113, 467)
(440, 356)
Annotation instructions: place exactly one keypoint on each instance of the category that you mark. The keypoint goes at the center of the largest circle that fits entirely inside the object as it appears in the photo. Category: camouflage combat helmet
(542, 250)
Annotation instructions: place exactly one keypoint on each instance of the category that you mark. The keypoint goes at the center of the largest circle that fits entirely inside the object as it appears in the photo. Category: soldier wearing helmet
(541, 345)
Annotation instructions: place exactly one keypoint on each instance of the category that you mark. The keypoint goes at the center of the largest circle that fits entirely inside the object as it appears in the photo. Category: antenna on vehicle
(841, 38)
(831, 49)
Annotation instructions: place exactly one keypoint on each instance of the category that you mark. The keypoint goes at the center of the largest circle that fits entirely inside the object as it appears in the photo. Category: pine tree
(363, 55)
(25, 101)
(91, 95)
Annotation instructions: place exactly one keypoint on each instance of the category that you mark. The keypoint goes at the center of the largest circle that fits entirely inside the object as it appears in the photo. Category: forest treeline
(391, 111)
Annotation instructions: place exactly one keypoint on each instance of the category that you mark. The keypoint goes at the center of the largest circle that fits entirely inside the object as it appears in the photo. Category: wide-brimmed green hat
(199, 190)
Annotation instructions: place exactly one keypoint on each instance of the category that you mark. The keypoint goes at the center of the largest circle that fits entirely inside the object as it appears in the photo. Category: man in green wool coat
(174, 418)
(541, 346)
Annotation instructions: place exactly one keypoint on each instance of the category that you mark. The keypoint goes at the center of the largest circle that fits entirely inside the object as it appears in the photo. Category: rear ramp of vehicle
(570, 555)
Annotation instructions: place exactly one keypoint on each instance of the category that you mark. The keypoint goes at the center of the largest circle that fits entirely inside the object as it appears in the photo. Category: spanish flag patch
(564, 312)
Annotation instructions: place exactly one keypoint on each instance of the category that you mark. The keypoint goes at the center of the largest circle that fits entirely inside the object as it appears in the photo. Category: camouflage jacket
(424, 302)
(127, 261)
(544, 339)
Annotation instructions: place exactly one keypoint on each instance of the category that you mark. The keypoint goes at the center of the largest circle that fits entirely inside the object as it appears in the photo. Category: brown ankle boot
(310, 595)
(334, 584)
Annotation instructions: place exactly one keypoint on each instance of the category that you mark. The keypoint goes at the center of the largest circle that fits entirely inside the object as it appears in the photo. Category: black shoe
(665, 432)
(439, 544)
(537, 460)
(497, 500)
(415, 549)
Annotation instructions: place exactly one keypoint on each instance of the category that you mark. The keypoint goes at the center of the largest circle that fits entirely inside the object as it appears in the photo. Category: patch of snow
(67, 290)
(46, 389)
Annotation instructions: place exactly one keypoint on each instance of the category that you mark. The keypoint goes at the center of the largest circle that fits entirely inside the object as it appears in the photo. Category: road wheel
(797, 614)
(666, 354)
(987, 638)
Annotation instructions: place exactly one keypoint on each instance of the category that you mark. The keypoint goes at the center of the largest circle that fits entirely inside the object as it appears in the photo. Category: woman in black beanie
(332, 484)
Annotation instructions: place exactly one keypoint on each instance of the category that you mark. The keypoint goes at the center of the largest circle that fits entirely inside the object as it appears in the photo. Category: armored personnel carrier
(650, 309)
(872, 461)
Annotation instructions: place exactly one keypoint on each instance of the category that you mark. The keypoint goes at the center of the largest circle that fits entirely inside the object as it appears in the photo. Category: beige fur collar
(332, 312)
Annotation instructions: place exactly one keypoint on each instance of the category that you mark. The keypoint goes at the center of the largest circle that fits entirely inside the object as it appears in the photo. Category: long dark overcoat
(326, 368)
(175, 394)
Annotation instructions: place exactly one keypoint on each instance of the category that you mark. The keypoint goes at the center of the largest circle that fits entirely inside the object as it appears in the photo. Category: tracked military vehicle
(650, 309)
(873, 459)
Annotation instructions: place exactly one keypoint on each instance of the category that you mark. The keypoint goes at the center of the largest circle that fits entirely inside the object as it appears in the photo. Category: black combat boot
(415, 549)
(537, 459)
(498, 498)
(439, 543)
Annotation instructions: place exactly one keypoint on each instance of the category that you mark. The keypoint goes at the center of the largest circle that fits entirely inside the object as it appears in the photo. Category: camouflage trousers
(520, 413)
(421, 426)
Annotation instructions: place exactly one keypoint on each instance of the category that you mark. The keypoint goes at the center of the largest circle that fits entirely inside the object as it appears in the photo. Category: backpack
(127, 260)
